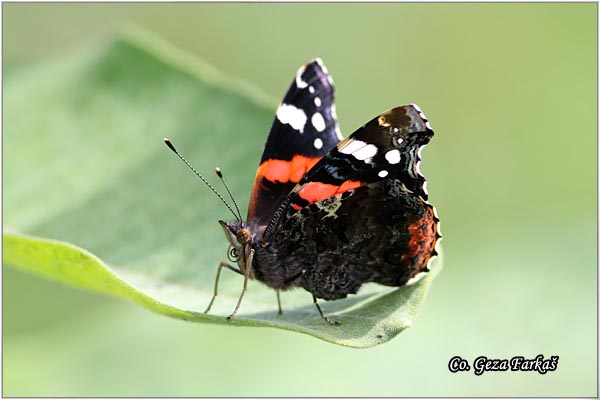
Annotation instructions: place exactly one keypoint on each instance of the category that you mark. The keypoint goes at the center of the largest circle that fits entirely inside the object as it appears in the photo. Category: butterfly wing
(304, 130)
(360, 214)
(387, 147)
(380, 232)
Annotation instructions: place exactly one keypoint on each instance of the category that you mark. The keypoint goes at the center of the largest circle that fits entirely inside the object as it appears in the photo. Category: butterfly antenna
(174, 150)
(220, 175)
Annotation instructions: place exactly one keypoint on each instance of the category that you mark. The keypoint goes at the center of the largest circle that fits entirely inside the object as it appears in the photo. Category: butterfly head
(239, 237)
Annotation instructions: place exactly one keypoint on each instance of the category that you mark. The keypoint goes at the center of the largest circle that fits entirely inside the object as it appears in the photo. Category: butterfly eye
(233, 255)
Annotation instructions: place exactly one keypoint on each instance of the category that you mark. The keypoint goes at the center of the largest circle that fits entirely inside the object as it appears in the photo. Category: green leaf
(94, 199)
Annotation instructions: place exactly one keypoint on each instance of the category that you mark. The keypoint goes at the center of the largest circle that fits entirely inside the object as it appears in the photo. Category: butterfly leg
(329, 321)
(287, 283)
(280, 311)
(246, 277)
(221, 265)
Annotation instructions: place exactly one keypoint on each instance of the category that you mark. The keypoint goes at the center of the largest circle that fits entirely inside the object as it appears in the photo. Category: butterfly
(328, 214)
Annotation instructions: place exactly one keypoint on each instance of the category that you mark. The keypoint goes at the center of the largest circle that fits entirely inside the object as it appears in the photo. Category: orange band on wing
(317, 191)
(423, 236)
(286, 171)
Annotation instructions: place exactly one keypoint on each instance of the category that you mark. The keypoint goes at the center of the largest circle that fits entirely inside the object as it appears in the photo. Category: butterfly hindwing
(305, 128)
(380, 232)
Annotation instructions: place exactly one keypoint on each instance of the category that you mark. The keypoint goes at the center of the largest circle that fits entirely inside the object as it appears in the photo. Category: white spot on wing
(295, 117)
(311, 89)
(383, 173)
(299, 82)
(317, 102)
(318, 143)
(393, 156)
(318, 122)
(360, 150)
(352, 146)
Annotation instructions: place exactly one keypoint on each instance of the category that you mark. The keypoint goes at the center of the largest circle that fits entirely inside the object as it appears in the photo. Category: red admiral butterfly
(328, 214)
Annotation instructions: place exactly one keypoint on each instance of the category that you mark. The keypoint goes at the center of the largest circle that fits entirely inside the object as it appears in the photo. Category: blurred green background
(511, 91)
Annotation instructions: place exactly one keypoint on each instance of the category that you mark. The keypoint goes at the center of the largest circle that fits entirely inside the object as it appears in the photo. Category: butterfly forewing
(387, 147)
(305, 128)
